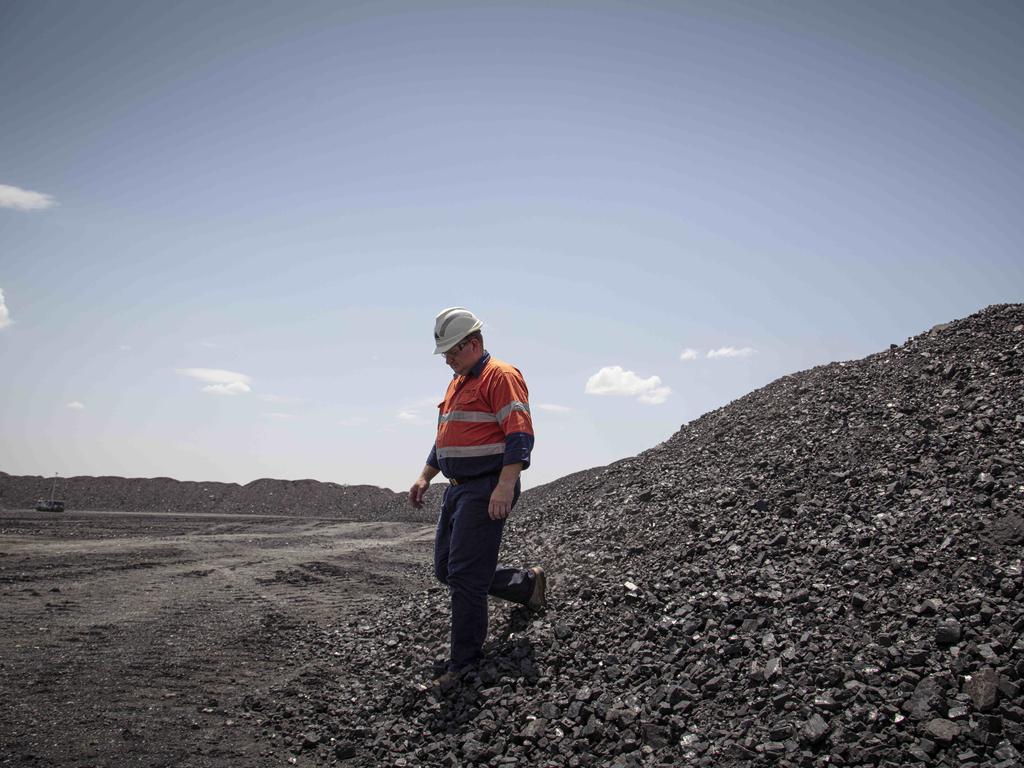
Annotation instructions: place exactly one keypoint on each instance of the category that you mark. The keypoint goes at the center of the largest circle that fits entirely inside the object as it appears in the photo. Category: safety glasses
(456, 349)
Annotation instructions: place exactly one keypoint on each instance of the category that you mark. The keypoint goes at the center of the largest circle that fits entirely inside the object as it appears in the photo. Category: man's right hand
(418, 491)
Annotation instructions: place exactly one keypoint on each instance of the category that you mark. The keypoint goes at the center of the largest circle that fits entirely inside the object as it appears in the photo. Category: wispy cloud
(221, 382)
(215, 375)
(614, 380)
(75, 405)
(125, 347)
(552, 408)
(688, 354)
(423, 410)
(234, 388)
(5, 314)
(280, 416)
(725, 352)
(24, 199)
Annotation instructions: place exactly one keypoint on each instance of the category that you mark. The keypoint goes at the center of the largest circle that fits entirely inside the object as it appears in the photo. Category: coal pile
(825, 572)
(300, 498)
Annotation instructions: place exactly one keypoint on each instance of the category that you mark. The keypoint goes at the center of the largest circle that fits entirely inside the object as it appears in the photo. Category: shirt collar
(480, 364)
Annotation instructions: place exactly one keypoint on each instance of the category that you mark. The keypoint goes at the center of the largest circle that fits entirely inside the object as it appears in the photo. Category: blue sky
(225, 228)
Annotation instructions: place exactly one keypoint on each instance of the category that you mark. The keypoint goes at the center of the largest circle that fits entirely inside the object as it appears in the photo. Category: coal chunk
(983, 688)
(943, 731)
(948, 633)
(814, 730)
(926, 699)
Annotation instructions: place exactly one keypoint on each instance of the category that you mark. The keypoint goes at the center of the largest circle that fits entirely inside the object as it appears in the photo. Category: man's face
(463, 356)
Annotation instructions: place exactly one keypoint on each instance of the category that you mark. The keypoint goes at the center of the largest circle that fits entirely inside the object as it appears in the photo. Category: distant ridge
(299, 498)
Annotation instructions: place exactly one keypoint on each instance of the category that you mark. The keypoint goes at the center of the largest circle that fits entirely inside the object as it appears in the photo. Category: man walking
(484, 439)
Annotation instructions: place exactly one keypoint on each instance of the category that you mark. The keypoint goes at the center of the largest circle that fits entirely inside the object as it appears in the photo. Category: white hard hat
(451, 326)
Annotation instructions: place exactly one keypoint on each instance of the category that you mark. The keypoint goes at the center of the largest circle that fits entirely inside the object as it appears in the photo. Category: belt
(464, 480)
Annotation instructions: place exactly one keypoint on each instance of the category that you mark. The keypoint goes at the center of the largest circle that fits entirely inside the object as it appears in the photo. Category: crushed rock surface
(827, 571)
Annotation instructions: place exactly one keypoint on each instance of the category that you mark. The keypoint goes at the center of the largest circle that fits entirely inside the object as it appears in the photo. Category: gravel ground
(136, 640)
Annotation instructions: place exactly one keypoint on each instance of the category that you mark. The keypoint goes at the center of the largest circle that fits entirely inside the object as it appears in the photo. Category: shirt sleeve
(518, 446)
(432, 458)
(511, 402)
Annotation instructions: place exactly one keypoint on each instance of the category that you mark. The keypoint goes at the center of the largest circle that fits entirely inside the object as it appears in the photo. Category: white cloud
(234, 388)
(688, 354)
(214, 375)
(125, 347)
(221, 382)
(74, 405)
(5, 314)
(414, 415)
(731, 352)
(422, 410)
(613, 380)
(279, 416)
(23, 199)
(552, 408)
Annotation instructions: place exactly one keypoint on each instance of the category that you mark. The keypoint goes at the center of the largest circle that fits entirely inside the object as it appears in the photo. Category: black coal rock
(942, 731)
(814, 730)
(948, 633)
(983, 688)
(816, 571)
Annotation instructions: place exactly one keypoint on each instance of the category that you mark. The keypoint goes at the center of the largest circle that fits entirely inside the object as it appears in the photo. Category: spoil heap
(299, 498)
(824, 572)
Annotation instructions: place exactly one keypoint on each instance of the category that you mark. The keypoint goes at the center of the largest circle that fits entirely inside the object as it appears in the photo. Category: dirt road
(132, 639)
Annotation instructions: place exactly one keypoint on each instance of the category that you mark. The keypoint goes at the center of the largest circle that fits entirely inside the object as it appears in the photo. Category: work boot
(445, 683)
(538, 597)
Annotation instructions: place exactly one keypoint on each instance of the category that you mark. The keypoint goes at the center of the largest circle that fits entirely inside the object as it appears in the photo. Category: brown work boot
(445, 683)
(538, 598)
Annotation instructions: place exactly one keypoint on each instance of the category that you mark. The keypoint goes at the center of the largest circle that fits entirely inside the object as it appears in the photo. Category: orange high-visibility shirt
(483, 422)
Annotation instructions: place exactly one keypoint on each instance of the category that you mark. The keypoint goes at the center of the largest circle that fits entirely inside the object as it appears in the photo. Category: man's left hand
(501, 501)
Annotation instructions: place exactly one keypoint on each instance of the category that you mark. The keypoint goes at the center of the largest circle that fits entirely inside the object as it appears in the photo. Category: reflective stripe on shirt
(515, 405)
(468, 416)
(465, 451)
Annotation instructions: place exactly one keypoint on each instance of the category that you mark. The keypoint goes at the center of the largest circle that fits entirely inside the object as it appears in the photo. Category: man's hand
(504, 492)
(501, 501)
(419, 488)
(418, 491)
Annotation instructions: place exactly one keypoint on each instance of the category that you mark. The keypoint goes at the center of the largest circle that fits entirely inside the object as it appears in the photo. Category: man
(484, 439)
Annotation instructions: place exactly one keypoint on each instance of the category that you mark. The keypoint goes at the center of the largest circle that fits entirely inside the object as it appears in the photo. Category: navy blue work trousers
(466, 559)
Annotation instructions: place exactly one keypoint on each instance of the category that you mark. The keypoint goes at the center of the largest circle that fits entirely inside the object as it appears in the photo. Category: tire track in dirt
(136, 650)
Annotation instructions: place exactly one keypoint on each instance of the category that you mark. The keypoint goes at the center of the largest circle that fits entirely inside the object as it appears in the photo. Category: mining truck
(51, 504)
